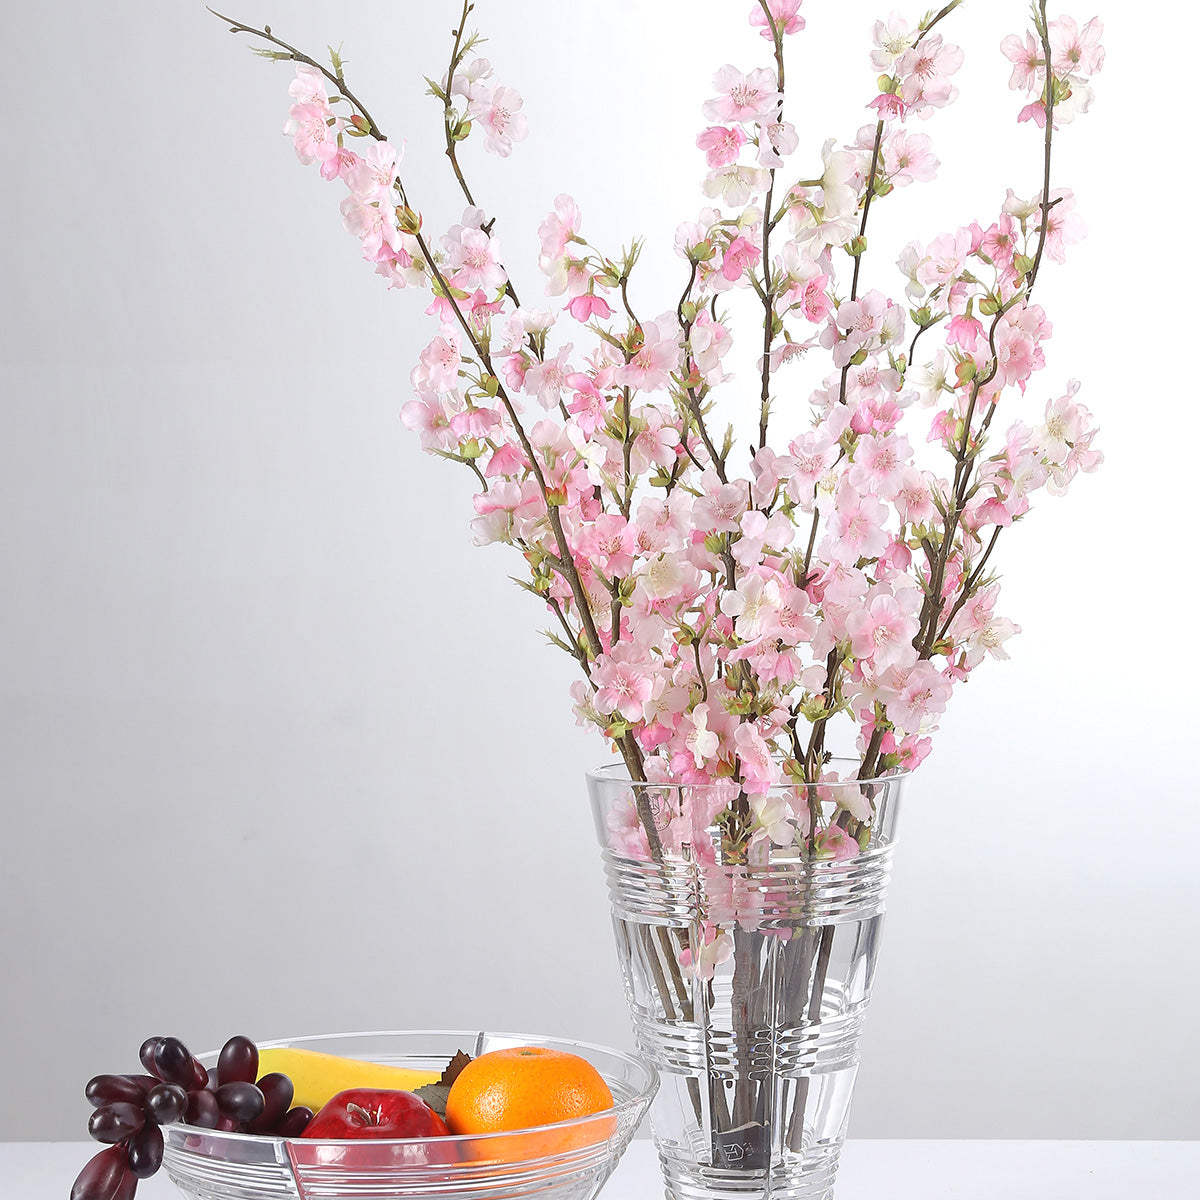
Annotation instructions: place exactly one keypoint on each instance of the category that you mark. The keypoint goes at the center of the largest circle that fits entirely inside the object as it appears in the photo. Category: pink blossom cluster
(728, 605)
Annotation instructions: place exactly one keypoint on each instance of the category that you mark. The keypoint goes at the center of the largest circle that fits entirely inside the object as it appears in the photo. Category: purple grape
(199, 1076)
(127, 1188)
(116, 1122)
(109, 1089)
(238, 1061)
(241, 1101)
(202, 1110)
(103, 1177)
(277, 1091)
(173, 1062)
(293, 1123)
(167, 1103)
(145, 1151)
(228, 1125)
(146, 1054)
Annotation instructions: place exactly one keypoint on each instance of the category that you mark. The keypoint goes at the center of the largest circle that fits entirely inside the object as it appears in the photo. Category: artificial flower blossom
(726, 610)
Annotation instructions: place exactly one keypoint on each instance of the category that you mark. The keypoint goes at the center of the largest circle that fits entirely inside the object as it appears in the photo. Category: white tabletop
(871, 1170)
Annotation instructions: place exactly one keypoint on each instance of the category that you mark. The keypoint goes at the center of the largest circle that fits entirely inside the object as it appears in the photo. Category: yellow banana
(318, 1077)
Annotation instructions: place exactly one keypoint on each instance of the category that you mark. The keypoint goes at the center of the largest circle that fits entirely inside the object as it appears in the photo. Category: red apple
(375, 1113)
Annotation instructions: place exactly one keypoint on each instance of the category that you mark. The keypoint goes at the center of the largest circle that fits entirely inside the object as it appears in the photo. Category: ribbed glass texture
(748, 977)
(568, 1161)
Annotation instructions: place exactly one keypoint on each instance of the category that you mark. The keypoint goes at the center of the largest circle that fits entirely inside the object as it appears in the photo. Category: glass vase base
(687, 1180)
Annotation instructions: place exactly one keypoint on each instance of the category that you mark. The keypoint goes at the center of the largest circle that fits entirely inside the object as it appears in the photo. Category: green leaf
(435, 1094)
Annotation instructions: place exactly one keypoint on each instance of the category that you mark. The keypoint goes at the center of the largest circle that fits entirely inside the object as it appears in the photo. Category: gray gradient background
(281, 752)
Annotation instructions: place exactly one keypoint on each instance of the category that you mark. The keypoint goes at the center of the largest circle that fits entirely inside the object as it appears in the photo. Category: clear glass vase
(748, 960)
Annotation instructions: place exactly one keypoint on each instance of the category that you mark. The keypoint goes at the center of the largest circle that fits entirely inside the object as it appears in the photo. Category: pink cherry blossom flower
(889, 106)
(773, 815)
(834, 843)
(549, 378)
(340, 165)
(945, 258)
(720, 508)
(1076, 51)
(429, 419)
(313, 131)
(753, 603)
(506, 460)
(759, 772)
(701, 742)
(654, 442)
(785, 14)
(879, 464)
(1028, 62)
(1064, 227)
(499, 113)
(649, 370)
(909, 753)
(741, 255)
(439, 364)
(908, 157)
(584, 308)
(743, 98)
(1065, 440)
(1016, 354)
(374, 224)
(1000, 241)
(922, 698)
(839, 182)
(475, 260)
(722, 144)
(623, 683)
(710, 342)
(925, 70)
(776, 139)
(308, 87)
(474, 422)
(883, 632)
(702, 962)
(609, 542)
(469, 79)
(736, 184)
(914, 500)
(892, 39)
(559, 228)
(626, 836)
(372, 177)
(860, 322)
(588, 407)
(857, 527)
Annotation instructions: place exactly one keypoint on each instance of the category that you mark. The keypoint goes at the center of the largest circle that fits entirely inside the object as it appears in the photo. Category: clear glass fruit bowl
(571, 1160)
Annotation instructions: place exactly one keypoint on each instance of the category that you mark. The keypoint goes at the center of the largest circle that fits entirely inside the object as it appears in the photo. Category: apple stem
(365, 1116)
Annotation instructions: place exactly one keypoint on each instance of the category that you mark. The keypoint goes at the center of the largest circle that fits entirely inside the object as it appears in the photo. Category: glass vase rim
(618, 773)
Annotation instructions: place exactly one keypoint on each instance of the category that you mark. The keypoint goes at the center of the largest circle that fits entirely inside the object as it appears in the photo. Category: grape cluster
(130, 1110)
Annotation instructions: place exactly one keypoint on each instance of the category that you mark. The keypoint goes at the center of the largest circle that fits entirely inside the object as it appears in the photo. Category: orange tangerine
(524, 1087)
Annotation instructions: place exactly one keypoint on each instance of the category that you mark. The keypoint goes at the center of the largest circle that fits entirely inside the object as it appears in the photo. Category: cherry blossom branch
(968, 588)
(860, 243)
(941, 16)
(292, 54)
(768, 294)
(1044, 32)
(456, 55)
(964, 466)
(564, 563)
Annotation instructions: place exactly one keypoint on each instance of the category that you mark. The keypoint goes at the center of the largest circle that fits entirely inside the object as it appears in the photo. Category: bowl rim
(641, 1099)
